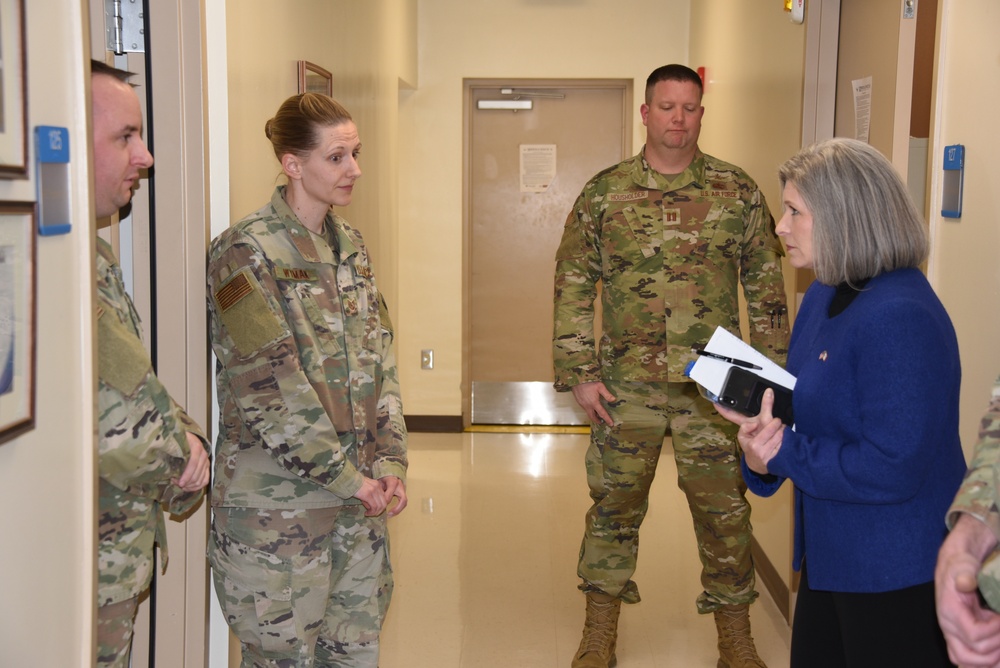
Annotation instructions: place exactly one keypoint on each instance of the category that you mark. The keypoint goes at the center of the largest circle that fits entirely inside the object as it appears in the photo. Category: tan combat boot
(600, 632)
(736, 648)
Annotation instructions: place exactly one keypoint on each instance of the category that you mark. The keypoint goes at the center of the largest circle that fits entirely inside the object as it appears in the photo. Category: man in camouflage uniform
(669, 233)
(151, 454)
(311, 421)
(972, 626)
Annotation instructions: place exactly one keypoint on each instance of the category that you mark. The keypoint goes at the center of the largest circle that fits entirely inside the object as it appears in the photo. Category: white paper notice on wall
(538, 167)
(862, 107)
(798, 11)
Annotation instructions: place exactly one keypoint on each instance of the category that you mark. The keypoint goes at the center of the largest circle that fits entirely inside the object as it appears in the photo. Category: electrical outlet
(427, 359)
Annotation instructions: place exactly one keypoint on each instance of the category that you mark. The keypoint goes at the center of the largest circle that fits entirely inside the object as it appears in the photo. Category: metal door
(526, 164)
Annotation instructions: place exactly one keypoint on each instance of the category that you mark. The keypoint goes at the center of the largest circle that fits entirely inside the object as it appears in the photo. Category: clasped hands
(760, 435)
(375, 495)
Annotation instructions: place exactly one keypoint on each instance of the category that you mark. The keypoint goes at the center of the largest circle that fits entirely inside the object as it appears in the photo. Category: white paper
(711, 373)
(538, 167)
(862, 107)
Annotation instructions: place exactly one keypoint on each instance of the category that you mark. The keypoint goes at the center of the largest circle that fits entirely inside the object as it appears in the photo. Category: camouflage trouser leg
(302, 588)
(114, 633)
(621, 462)
(708, 472)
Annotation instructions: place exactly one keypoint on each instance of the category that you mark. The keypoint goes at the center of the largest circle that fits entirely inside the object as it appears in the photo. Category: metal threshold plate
(524, 403)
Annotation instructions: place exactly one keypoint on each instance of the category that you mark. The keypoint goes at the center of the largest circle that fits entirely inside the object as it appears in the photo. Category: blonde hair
(864, 221)
(295, 127)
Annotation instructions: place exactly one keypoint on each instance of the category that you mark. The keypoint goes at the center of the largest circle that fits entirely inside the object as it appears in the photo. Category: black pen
(745, 365)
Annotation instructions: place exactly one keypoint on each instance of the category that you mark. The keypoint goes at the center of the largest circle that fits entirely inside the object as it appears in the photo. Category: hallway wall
(48, 475)
(965, 253)
(370, 48)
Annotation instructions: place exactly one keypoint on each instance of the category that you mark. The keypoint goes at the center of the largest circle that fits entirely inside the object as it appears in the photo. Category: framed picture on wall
(17, 318)
(13, 98)
(314, 79)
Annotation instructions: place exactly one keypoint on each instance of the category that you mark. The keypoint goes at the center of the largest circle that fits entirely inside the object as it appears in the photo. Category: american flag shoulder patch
(233, 290)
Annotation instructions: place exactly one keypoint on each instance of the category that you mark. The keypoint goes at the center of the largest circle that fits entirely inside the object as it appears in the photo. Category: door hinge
(124, 26)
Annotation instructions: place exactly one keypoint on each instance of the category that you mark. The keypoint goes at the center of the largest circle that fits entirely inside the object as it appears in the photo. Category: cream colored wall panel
(48, 475)
(965, 253)
(369, 49)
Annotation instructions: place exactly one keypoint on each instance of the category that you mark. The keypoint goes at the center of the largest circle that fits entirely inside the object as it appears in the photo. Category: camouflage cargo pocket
(327, 326)
(725, 234)
(255, 591)
(643, 228)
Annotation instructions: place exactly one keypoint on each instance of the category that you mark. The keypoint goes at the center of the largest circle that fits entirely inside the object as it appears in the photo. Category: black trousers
(885, 630)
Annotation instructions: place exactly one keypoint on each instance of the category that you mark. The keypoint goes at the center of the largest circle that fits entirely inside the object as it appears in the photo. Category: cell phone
(744, 390)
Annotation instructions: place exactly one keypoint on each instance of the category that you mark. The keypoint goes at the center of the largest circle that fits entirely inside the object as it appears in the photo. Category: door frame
(469, 85)
(180, 347)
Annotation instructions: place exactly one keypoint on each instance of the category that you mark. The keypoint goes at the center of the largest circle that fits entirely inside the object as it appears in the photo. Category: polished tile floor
(485, 563)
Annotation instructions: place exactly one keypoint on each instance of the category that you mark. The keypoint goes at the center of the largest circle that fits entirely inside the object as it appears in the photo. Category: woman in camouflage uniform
(311, 446)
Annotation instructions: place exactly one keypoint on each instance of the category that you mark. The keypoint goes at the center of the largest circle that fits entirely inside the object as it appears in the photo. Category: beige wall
(461, 39)
(753, 118)
(753, 105)
(47, 476)
(965, 255)
(370, 47)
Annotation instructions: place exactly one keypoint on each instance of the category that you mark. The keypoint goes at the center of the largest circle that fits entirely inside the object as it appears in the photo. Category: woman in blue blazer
(874, 454)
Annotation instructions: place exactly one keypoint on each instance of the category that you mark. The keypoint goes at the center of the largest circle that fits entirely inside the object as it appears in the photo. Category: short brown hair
(671, 72)
(100, 67)
(864, 220)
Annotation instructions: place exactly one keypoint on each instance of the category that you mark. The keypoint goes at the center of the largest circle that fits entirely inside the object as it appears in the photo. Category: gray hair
(864, 221)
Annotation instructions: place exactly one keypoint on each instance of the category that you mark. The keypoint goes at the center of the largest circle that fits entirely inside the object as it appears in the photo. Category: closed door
(525, 168)
(877, 45)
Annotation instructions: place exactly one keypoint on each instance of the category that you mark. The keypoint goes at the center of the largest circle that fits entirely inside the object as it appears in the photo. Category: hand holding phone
(743, 391)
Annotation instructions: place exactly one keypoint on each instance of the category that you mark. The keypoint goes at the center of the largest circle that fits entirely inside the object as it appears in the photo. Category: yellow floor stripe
(526, 429)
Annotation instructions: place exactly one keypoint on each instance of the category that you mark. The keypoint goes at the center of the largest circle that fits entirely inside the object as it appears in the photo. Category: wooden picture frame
(13, 92)
(17, 318)
(314, 79)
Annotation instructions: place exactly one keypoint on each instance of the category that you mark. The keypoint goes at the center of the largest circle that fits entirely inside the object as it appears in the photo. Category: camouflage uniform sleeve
(978, 493)
(260, 365)
(578, 269)
(142, 442)
(763, 284)
(390, 448)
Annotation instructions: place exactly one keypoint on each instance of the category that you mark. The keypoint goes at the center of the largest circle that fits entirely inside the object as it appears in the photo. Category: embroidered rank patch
(350, 305)
(232, 292)
(294, 274)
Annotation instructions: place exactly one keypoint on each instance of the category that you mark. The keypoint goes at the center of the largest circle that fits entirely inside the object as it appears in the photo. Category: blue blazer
(874, 454)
